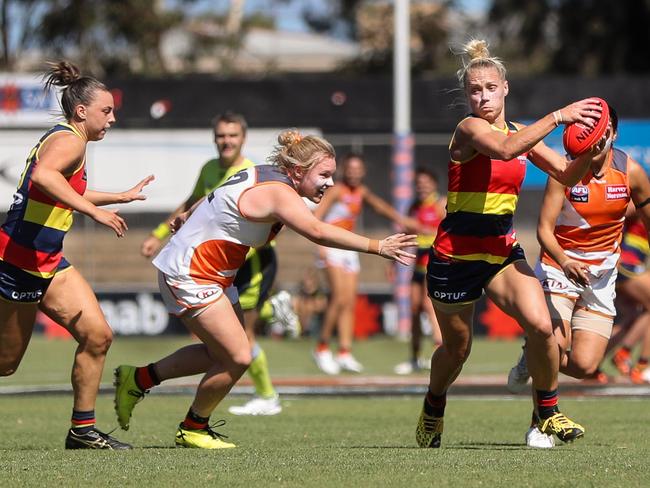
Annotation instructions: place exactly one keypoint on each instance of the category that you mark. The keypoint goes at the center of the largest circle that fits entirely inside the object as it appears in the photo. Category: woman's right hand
(586, 111)
(109, 218)
(150, 245)
(576, 271)
(392, 247)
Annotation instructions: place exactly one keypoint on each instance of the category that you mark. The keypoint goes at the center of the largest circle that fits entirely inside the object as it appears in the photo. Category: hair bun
(477, 48)
(289, 137)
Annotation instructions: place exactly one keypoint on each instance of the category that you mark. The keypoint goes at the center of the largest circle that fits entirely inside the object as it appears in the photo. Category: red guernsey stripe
(25, 258)
(483, 175)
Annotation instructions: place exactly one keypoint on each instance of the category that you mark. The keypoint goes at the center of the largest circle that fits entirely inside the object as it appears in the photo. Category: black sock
(434, 405)
(194, 421)
(546, 403)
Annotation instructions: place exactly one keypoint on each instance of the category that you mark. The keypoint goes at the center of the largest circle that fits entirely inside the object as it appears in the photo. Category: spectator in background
(255, 279)
(34, 274)
(341, 207)
(428, 209)
(196, 274)
(632, 302)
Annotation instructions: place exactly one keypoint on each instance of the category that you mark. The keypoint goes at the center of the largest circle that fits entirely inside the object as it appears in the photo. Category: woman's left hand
(135, 193)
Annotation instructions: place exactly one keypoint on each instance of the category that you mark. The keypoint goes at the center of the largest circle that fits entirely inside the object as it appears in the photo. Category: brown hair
(475, 54)
(294, 149)
(230, 117)
(78, 90)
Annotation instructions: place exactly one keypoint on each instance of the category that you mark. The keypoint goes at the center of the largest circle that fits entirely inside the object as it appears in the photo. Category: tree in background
(584, 37)
(18, 28)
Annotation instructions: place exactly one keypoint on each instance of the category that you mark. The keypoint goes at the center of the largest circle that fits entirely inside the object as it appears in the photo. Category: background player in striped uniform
(580, 230)
(197, 268)
(255, 279)
(476, 249)
(34, 274)
(341, 207)
(633, 302)
(428, 209)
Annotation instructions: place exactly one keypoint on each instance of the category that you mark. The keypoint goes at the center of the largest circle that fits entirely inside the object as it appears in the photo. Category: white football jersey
(212, 244)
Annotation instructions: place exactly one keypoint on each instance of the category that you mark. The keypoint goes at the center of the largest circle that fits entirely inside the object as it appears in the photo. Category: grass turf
(322, 442)
(330, 442)
(49, 361)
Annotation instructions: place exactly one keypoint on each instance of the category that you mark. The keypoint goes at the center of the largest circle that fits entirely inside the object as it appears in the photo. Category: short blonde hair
(294, 149)
(475, 54)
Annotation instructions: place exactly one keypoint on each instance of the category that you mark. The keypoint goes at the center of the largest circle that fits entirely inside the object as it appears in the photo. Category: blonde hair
(294, 149)
(475, 54)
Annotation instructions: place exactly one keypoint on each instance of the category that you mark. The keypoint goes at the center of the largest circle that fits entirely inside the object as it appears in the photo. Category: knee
(8, 368)
(98, 343)
(582, 369)
(241, 361)
(540, 330)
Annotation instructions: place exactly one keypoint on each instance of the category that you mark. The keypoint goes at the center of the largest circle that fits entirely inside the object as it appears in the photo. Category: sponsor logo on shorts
(27, 296)
(579, 194)
(549, 284)
(449, 296)
(616, 192)
(203, 294)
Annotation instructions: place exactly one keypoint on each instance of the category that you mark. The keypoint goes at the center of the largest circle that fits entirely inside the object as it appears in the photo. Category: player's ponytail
(475, 54)
(77, 89)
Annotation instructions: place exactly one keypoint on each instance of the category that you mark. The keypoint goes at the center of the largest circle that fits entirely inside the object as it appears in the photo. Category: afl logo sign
(579, 194)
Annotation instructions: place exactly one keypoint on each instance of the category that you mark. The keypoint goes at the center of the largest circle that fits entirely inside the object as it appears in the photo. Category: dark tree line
(584, 37)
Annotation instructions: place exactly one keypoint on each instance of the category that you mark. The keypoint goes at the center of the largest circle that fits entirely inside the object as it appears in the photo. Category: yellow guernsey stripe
(489, 258)
(425, 241)
(638, 242)
(48, 216)
(487, 203)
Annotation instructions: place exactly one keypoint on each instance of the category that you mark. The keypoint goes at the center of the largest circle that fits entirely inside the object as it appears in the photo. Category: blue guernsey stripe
(477, 225)
(35, 236)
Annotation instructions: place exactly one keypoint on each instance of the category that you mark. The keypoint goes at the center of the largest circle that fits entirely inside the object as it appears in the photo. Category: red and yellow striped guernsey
(32, 236)
(481, 200)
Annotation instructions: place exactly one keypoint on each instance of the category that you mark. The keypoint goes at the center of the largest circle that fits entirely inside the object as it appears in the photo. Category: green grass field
(319, 442)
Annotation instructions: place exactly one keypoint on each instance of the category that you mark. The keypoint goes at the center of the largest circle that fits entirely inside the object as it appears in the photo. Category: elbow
(37, 178)
(567, 180)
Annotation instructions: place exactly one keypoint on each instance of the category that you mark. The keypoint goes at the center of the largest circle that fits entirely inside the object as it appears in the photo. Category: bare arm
(551, 207)
(567, 172)
(385, 209)
(100, 198)
(154, 241)
(279, 202)
(61, 156)
(640, 190)
(477, 133)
